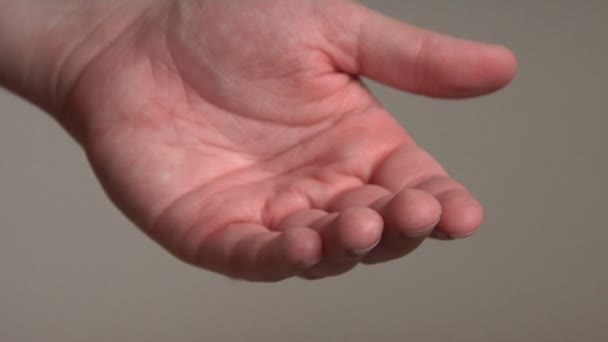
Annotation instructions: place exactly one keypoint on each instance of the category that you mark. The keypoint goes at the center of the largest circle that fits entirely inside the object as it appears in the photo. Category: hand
(238, 135)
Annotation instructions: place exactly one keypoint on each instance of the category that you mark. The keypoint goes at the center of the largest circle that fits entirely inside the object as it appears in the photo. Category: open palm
(237, 135)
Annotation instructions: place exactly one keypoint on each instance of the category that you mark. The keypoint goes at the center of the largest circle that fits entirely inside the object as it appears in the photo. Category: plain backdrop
(73, 269)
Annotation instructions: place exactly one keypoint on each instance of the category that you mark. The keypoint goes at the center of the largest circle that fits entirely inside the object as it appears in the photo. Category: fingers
(417, 60)
(405, 167)
(461, 212)
(373, 226)
(362, 196)
(370, 225)
(252, 252)
(411, 167)
(347, 237)
(409, 218)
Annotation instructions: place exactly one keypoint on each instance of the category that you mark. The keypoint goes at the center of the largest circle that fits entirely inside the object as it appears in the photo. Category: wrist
(46, 45)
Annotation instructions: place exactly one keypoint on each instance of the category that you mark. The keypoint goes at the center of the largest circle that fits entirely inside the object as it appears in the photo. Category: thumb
(415, 59)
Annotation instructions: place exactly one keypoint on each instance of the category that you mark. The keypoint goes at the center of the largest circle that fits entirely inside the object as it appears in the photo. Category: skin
(238, 135)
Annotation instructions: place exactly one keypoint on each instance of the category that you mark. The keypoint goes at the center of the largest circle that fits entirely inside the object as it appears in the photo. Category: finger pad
(480, 69)
(302, 246)
(359, 228)
(461, 216)
(412, 210)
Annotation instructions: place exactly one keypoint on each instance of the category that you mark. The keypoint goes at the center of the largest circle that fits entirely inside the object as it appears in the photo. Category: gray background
(73, 269)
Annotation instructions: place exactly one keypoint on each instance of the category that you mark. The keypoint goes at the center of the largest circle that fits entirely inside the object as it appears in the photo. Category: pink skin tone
(238, 136)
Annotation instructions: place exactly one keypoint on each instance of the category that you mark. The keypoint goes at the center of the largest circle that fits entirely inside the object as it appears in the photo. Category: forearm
(45, 45)
(22, 25)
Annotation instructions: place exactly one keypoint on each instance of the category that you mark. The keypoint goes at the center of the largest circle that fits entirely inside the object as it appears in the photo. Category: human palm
(238, 135)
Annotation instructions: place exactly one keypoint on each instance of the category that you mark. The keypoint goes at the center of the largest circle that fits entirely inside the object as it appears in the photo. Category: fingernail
(441, 235)
(356, 253)
(310, 264)
(463, 236)
(419, 233)
(415, 234)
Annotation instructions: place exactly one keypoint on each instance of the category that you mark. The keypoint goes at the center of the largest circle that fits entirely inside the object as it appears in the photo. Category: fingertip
(359, 229)
(500, 66)
(412, 212)
(302, 247)
(347, 236)
(462, 215)
(509, 61)
(469, 69)
(416, 59)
